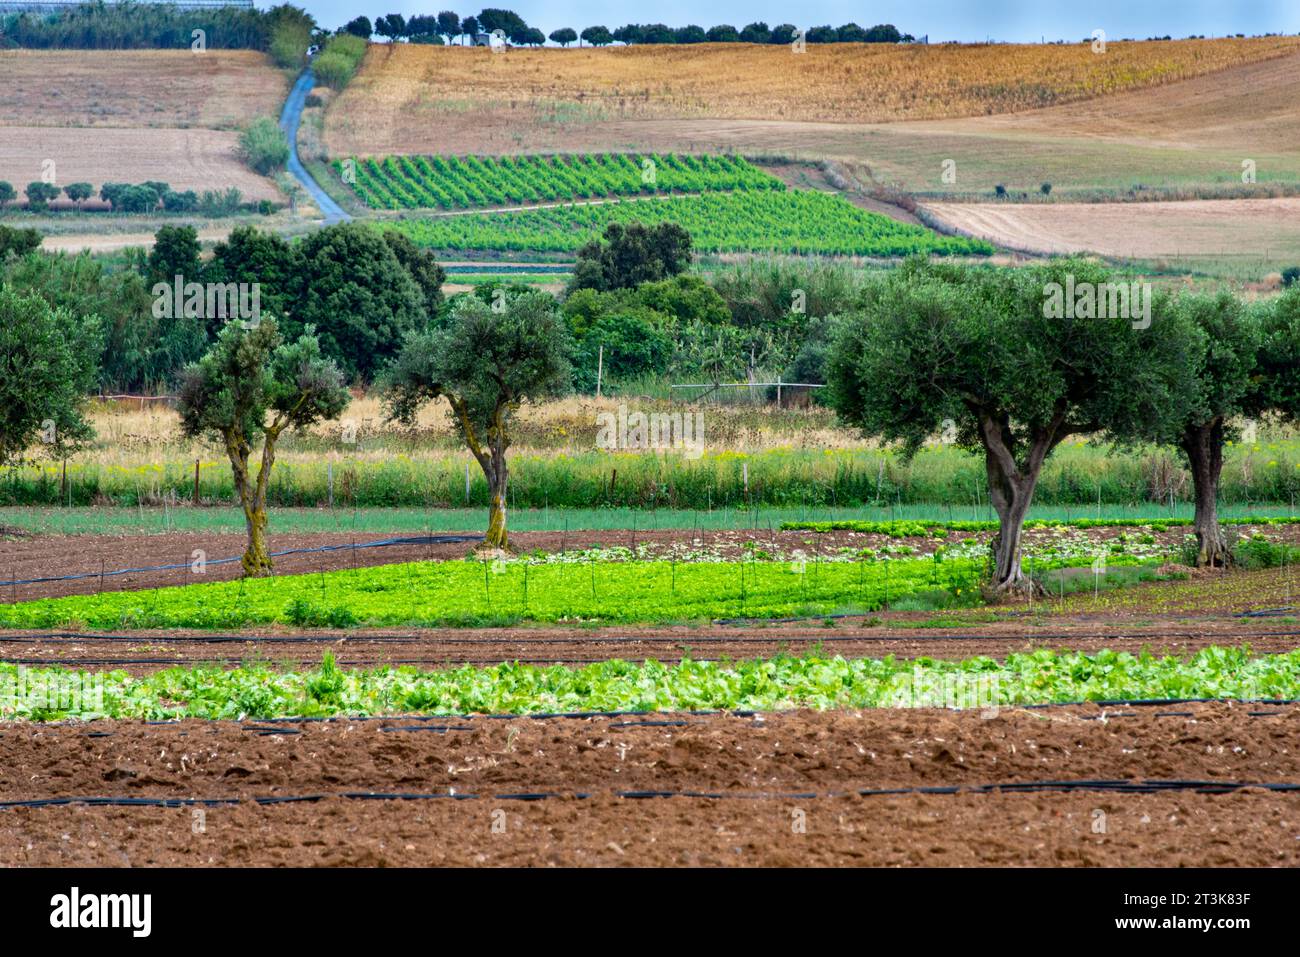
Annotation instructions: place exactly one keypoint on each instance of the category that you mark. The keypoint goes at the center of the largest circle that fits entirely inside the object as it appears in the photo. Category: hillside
(132, 115)
(411, 98)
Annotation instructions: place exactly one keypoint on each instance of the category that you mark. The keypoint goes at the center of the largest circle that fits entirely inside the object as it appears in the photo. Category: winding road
(290, 117)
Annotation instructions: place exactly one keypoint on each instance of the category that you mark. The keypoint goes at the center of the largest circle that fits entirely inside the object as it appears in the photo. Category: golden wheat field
(405, 96)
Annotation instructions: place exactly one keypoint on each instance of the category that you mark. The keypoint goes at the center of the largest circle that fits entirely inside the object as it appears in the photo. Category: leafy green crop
(454, 182)
(763, 685)
(466, 593)
(908, 528)
(793, 221)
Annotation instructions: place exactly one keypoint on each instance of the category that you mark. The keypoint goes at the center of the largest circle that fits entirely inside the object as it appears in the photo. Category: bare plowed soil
(144, 652)
(774, 789)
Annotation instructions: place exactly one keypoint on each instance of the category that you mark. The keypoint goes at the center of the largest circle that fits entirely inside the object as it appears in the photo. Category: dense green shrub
(264, 146)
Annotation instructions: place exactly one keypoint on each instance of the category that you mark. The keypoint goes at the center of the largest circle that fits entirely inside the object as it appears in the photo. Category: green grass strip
(814, 681)
(110, 519)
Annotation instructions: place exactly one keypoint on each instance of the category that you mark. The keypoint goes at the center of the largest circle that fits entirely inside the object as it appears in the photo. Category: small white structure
(496, 40)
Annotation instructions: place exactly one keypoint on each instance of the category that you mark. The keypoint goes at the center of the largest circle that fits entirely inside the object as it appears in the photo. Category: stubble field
(135, 115)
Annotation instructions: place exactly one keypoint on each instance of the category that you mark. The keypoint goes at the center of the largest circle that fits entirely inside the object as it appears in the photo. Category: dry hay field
(1255, 229)
(410, 99)
(840, 83)
(133, 115)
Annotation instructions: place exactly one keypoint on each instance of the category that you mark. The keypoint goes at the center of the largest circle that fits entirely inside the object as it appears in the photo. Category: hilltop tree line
(449, 27)
(286, 31)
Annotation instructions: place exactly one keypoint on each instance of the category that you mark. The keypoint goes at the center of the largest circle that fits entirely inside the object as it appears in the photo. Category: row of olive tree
(253, 385)
(974, 352)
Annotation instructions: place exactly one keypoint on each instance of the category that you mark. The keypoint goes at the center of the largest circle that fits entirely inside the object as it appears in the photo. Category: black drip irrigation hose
(1267, 612)
(676, 718)
(381, 543)
(1006, 787)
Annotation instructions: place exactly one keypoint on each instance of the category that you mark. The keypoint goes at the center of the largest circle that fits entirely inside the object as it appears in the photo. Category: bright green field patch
(467, 593)
(464, 182)
(760, 685)
(794, 221)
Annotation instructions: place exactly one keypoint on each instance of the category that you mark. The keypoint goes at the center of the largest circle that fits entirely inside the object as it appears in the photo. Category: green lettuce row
(813, 681)
(468, 592)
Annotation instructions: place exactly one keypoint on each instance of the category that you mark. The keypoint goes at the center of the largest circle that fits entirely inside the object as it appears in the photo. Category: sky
(1023, 21)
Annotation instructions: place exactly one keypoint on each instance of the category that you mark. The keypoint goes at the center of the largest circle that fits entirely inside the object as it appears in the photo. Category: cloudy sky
(966, 20)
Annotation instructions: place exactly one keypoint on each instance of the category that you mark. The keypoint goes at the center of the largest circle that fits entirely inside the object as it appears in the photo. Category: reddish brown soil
(143, 652)
(772, 772)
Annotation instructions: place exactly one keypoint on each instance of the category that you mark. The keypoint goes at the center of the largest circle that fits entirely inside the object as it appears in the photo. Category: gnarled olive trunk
(256, 561)
(1011, 492)
(491, 457)
(1203, 445)
(498, 476)
(1011, 496)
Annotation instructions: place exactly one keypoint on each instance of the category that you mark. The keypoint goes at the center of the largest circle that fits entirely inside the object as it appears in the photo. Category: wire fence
(352, 546)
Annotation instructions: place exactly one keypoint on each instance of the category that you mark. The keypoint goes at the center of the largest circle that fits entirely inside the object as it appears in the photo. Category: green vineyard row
(793, 221)
(453, 182)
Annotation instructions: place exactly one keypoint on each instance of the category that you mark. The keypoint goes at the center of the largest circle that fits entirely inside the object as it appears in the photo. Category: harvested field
(842, 83)
(751, 776)
(187, 159)
(134, 115)
(111, 242)
(130, 89)
(1251, 228)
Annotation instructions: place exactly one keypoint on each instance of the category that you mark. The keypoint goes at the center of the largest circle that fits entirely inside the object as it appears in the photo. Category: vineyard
(792, 221)
(452, 182)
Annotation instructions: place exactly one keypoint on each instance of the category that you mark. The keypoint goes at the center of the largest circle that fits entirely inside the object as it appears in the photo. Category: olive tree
(251, 386)
(487, 361)
(1226, 340)
(47, 368)
(976, 354)
(1277, 364)
(1246, 362)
